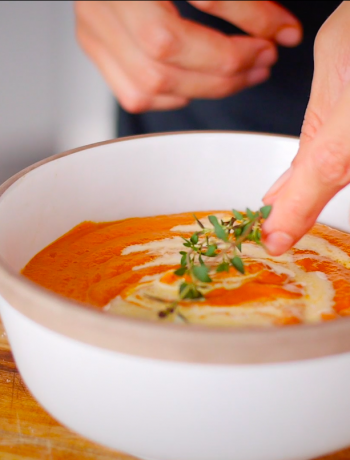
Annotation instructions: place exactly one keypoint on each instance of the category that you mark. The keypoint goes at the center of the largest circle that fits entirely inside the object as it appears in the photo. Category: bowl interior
(144, 176)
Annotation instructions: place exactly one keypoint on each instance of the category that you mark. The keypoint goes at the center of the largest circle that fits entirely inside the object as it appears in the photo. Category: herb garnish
(222, 245)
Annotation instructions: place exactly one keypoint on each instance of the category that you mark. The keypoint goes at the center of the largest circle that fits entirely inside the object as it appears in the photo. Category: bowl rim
(166, 341)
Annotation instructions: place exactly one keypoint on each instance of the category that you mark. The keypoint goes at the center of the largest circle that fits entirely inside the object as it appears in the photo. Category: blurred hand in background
(153, 59)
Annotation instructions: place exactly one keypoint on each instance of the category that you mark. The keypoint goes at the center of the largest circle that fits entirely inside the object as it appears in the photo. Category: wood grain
(27, 432)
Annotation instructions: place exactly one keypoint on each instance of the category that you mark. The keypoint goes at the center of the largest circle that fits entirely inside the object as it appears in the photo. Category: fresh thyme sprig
(221, 246)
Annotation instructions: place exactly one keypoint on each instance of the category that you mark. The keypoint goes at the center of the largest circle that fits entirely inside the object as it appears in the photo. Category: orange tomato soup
(127, 267)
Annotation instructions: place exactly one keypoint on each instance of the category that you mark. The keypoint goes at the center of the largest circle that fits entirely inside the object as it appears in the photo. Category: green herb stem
(205, 244)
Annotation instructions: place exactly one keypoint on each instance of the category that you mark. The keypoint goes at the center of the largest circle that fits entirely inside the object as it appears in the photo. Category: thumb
(320, 169)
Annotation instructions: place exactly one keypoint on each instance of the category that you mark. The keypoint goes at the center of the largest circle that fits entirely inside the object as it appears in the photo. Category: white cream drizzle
(324, 248)
(318, 291)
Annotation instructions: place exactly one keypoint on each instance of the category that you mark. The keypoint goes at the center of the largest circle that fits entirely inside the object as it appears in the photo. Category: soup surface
(127, 267)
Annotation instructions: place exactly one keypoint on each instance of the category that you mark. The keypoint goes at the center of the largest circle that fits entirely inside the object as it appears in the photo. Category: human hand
(322, 166)
(153, 59)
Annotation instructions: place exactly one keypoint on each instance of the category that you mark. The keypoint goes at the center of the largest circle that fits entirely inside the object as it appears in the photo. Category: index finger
(164, 36)
(320, 170)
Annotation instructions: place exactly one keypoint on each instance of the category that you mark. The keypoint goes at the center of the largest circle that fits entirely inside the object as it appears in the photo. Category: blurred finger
(154, 78)
(130, 97)
(259, 18)
(167, 38)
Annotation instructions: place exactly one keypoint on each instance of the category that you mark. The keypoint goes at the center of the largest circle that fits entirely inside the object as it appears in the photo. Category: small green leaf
(250, 214)
(219, 230)
(237, 215)
(221, 234)
(188, 245)
(180, 271)
(183, 253)
(201, 273)
(198, 221)
(238, 231)
(223, 267)
(201, 260)
(257, 235)
(210, 252)
(186, 291)
(194, 238)
(265, 211)
(190, 291)
(213, 220)
(195, 293)
(184, 259)
(239, 247)
(237, 262)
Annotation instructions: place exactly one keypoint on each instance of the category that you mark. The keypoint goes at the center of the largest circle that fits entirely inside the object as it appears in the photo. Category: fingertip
(278, 242)
(267, 57)
(258, 75)
(204, 4)
(169, 103)
(289, 36)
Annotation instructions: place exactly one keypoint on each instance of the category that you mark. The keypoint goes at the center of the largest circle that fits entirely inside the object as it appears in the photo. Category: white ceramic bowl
(168, 392)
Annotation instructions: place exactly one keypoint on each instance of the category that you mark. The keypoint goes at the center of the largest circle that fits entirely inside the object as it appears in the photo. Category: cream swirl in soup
(127, 267)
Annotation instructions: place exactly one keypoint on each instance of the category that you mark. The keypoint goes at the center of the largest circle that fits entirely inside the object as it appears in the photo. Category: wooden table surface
(27, 432)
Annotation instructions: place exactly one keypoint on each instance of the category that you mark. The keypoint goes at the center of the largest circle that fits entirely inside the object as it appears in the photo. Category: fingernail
(266, 57)
(258, 75)
(279, 183)
(288, 36)
(278, 242)
(204, 3)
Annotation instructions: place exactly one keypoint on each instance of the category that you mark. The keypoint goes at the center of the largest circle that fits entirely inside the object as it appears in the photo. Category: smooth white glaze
(171, 411)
